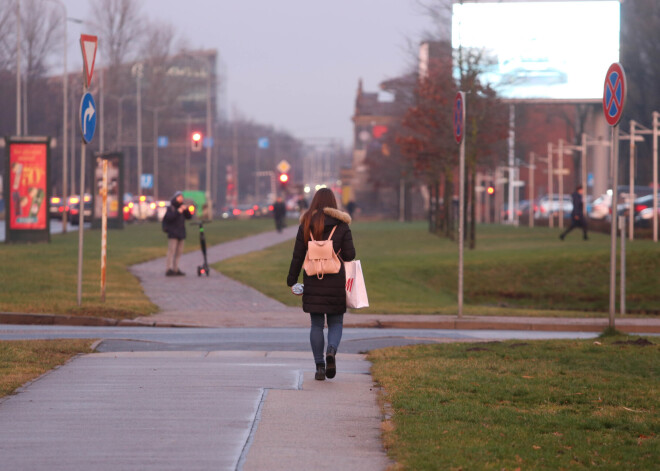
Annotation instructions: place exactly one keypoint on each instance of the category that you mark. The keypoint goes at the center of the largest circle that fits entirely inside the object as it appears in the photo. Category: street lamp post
(18, 67)
(138, 71)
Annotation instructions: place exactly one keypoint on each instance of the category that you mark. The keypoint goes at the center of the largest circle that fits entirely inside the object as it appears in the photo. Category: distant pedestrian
(351, 206)
(577, 215)
(279, 213)
(326, 296)
(302, 204)
(174, 224)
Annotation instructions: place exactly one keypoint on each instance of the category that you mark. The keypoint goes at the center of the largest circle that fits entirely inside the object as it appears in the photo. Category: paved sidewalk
(194, 411)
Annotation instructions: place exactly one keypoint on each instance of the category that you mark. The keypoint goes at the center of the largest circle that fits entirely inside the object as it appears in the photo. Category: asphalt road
(292, 339)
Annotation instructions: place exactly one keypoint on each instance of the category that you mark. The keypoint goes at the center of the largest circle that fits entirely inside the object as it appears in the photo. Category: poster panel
(28, 184)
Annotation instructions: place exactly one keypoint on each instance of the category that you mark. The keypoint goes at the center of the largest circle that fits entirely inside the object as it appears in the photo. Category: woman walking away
(326, 295)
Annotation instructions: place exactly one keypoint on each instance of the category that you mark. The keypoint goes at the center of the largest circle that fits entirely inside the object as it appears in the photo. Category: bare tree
(120, 23)
(7, 35)
(41, 25)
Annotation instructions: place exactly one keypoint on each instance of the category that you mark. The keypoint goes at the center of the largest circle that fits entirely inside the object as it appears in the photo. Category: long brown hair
(314, 218)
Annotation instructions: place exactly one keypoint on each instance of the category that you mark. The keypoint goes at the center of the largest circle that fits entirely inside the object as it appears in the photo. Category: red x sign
(614, 94)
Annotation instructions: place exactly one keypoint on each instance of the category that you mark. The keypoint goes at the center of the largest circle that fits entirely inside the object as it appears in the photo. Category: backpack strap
(311, 235)
(332, 232)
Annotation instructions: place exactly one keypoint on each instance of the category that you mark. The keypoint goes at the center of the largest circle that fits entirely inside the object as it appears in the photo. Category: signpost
(88, 46)
(614, 98)
(459, 135)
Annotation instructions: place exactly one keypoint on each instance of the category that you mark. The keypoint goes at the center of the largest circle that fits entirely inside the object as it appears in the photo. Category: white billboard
(544, 49)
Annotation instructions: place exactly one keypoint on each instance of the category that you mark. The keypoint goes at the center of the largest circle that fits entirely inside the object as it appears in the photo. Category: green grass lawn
(513, 271)
(24, 360)
(42, 278)
(517, 405)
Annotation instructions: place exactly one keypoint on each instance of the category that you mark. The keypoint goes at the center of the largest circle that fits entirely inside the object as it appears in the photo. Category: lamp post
(18, 67)
(209, 130)
(138, 72)
(155, 111)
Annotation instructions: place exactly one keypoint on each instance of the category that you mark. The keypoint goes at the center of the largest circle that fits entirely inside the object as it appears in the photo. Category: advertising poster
(28, 186)
(115, 199)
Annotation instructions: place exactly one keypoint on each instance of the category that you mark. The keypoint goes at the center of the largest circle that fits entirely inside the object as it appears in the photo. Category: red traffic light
(284, 178)
(490, 190)
(196, 142)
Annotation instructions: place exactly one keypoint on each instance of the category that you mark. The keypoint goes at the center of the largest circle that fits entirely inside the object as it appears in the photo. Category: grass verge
(24, 360)
(42, 278)
(513, 271)
(517, 405)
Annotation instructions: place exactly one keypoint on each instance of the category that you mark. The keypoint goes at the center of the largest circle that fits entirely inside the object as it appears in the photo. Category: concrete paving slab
(328, 425)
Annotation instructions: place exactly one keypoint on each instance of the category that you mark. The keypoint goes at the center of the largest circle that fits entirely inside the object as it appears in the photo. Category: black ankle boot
(331, 369)
(320, 372)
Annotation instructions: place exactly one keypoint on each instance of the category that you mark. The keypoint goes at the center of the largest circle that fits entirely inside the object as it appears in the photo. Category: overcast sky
(293, 64)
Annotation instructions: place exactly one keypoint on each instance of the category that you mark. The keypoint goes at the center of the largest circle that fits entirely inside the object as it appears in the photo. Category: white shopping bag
(356, 291)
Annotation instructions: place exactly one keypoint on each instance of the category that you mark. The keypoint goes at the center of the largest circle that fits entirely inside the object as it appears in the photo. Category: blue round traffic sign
(87, 117)
(459, 117)
(614, 94)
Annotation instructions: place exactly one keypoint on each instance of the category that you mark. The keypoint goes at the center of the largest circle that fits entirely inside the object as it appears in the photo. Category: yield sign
(88, 45)
(614, 94)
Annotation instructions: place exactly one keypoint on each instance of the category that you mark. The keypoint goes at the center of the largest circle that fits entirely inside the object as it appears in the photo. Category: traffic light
(284, 179)
(196, 142)
(490, 190)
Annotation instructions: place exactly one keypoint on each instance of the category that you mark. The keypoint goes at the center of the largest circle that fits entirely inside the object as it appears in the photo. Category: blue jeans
(335, 326)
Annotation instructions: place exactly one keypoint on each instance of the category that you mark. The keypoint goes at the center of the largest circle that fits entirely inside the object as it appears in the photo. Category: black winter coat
(327, 295)
(174, 222)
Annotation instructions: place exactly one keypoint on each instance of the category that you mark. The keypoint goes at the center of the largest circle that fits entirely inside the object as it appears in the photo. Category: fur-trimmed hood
(334, 213)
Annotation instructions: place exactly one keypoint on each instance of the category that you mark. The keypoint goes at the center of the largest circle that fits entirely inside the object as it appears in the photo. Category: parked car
(546, 208)
(74, 209)
(645, 217)
(244, 211)
(600, 208)
(57, 207)
(144, 208)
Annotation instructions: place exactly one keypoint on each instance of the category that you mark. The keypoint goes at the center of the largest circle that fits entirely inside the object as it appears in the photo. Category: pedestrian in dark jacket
(326, 296)
(279, 213)
(577, 215)
(174, 224)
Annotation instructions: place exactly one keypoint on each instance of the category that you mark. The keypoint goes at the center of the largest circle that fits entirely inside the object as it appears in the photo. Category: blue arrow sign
(87, 117)
(263, 143)
(147, 180)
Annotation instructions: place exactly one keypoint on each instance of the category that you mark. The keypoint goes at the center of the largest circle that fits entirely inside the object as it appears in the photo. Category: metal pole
(102, 113)
(560, 179)
(550, 191)
(531, 189)
(622, 289)
(18, 67)
(631, 183)
(81, 218)
(655, 176)
(139, 134)
(156, 154)
(209, 139)
(461, 225)
(235, 160)
(584, 174)
(65, 122)
(256, 174)
(188, 125)
(511, 173)
(104, 227)
(615, 184)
